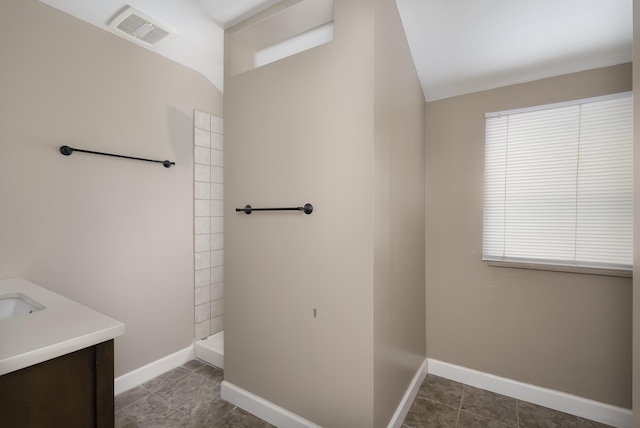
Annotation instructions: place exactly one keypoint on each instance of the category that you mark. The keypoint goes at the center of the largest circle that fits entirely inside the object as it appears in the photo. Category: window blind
(558, 185)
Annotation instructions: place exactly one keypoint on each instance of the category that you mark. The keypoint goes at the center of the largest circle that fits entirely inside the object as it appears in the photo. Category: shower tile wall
(208, 241)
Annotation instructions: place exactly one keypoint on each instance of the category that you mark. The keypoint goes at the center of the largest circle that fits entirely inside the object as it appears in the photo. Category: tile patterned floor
(185, 397)
(445, 403)
(189, 396)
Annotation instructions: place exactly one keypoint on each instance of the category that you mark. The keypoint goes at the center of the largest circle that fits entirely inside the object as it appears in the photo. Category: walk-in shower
(208, 237)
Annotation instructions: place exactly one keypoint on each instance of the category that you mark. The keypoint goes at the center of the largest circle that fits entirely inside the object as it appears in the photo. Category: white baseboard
(151, 370)
(410, 395)
(567, 403)
(283, 418)
(262, 408)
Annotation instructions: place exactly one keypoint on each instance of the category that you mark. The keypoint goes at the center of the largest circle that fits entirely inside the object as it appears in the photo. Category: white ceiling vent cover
(140, 28)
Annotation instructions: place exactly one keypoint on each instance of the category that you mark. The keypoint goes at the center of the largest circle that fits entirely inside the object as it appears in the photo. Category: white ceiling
(462, 46)
(458, 46)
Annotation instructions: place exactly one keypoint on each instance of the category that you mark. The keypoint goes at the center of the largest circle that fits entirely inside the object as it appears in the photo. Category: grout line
(172, 407)
(460, 406)
(168, 383)
(436, 401)
(134, 402)
(226, 414)
(177, 409)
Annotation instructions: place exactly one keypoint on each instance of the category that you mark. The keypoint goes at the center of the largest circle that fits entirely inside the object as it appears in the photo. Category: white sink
(56, 327)
(16, 304)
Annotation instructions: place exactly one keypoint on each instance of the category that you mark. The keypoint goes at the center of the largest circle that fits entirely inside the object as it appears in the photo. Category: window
(279, 32)
(558, 185)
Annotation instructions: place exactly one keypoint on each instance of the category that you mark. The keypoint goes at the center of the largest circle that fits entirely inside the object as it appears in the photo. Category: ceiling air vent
(140, 28)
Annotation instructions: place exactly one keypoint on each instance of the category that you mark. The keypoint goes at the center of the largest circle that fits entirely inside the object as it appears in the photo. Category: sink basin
(17, 304)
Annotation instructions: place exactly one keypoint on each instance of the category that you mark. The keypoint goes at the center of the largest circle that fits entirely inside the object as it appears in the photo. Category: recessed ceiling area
(458, 46)
(293, 27)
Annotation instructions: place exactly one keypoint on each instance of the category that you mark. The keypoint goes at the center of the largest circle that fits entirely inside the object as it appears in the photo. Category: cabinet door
(69, 391)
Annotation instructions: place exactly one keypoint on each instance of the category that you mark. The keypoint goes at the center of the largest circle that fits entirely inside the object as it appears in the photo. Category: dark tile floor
(189, 396)
(185, 397)
(445, 403)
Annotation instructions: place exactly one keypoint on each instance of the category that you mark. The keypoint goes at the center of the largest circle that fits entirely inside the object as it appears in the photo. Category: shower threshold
(211, 350)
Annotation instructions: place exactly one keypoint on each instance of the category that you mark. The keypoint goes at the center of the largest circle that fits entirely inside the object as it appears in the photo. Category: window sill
(559, 268)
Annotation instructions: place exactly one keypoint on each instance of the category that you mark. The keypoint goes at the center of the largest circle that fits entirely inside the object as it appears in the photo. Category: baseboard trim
(262, 408)
(283, 418)
(572, 404)
(567, 403)
(403, 408)
(151, 370)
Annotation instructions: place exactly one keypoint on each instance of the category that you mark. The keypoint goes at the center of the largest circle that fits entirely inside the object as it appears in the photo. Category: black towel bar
(307, 209)
(66, 150)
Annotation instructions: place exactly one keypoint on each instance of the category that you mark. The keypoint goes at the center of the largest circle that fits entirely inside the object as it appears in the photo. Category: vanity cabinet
(71, 391)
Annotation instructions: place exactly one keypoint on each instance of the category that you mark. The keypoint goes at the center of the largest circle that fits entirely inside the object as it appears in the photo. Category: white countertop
(64, 326)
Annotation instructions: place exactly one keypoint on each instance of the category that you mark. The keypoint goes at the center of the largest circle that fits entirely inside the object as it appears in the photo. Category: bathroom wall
(324, 313)
(113, 234)
(565, 331)
(399, 239)
(636, 238)
(208, 223)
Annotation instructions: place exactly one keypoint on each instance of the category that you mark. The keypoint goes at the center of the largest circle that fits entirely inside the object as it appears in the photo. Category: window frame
(594, 268)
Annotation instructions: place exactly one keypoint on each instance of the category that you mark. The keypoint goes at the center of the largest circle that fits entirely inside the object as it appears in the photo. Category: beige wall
(300, 130)
(399, 311)
(568, 332)
(303, 130)
(113, 234)
(636, 238)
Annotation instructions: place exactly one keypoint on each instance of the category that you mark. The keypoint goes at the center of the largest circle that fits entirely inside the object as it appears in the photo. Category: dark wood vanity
(71, 391)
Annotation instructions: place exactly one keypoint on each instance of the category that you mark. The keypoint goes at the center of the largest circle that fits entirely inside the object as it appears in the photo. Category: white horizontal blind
(559, 185)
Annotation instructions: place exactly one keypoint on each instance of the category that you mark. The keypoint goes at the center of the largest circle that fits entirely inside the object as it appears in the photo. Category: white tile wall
(202, 137)
(202, 120)
(216, 224)
(202, 225)
(203, 295)
(208, 223)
